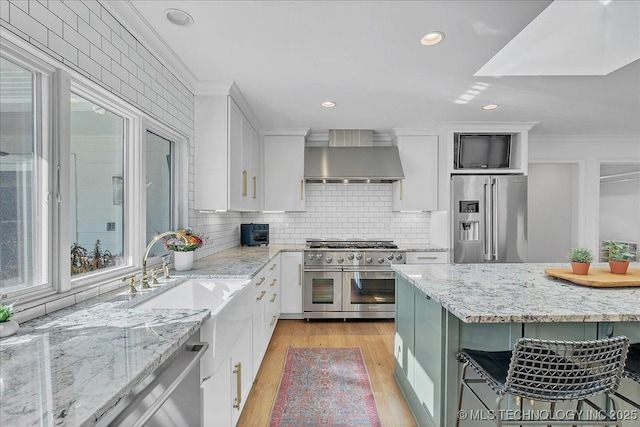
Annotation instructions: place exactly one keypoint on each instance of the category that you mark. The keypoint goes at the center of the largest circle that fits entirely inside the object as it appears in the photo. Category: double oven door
(358, 292)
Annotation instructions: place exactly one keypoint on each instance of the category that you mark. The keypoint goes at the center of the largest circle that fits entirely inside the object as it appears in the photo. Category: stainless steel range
(350, 278)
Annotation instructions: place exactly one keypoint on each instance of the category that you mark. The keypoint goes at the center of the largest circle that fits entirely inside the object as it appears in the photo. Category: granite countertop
(519, 293)
(70, 367)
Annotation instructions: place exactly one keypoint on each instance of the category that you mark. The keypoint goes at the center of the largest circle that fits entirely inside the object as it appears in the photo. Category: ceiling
(287, 57)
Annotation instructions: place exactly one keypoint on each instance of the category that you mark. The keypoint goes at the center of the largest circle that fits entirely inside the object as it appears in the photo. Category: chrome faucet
(145, 280)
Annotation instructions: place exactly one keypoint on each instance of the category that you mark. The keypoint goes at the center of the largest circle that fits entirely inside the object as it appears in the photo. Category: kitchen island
(442, 308)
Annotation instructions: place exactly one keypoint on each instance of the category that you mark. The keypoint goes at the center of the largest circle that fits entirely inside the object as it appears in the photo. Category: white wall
(550, 211)
(588, 152)
(346, 211)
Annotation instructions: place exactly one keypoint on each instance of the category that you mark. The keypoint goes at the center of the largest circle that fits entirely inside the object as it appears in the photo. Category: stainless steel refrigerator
(489, 218)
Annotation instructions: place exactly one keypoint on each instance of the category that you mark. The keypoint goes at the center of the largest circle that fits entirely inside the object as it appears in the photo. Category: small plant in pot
(580, 260)
(619, 256)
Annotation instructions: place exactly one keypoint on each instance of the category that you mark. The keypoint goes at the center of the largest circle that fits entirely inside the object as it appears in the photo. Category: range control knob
(311, 256)
(340, 260)
(390, 257)
(369, 259)
(329, 259)
(380, 260)
(359, 257)
(399, 257)
(318, 256)
(350, 256)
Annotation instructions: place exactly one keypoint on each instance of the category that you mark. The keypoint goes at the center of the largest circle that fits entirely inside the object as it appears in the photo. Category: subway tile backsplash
(345, 210)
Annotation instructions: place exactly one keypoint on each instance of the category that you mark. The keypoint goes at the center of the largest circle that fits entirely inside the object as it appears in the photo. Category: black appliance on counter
(254, 234)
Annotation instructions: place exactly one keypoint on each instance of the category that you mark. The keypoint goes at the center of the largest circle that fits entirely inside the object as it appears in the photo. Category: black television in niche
(482, 151)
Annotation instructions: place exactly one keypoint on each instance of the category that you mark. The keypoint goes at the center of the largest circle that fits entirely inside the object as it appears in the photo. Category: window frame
(57, 83)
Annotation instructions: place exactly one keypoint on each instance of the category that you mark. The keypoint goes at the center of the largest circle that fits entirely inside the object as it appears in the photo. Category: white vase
(183, 260)
(7, 328)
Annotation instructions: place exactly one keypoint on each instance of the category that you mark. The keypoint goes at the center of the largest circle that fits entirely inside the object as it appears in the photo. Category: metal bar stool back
(632, 371)
(549, 371)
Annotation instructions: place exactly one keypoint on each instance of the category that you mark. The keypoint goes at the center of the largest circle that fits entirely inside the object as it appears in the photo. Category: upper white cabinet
(227, 156)
(418, 191)
(284, 172)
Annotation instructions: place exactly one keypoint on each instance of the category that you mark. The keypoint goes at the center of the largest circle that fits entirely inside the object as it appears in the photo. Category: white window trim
(62, 79)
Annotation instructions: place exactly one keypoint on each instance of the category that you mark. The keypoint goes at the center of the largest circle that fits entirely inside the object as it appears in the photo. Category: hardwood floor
(375, 338)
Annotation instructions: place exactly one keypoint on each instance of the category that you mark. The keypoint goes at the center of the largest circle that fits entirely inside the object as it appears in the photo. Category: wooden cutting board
(597, 277)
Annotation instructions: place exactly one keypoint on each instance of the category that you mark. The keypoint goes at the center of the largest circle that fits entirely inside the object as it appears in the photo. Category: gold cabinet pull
(273, 320)
(244, 183)
(401, 189)
(273, 282)
(273, 298)
(255, 186)
(261, 281)
(302, 189)
(262, 294)
(273, 266)
(237, 370)
(299, 274)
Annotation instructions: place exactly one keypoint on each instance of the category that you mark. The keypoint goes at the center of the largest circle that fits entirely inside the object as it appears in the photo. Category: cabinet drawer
(426, 257)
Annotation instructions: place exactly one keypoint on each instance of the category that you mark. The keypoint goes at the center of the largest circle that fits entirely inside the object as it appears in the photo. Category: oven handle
(322, 270)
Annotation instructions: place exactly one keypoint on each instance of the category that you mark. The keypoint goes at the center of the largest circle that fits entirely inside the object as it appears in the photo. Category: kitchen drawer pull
(427, 257)
(244, 183)
(273, 282)
(262, 294)
(200, 349)
(237, 370)
(274, 298)
(273, 320)
(255, 187)
(273, 266)
(261, 281)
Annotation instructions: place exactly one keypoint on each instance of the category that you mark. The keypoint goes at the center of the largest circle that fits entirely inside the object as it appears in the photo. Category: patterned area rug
(324, 387)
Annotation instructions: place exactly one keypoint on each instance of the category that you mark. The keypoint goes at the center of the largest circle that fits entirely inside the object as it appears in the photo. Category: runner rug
(324, 387)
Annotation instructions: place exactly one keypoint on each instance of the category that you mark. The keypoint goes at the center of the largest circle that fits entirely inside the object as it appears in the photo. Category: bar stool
(632, 371)
(549, 371)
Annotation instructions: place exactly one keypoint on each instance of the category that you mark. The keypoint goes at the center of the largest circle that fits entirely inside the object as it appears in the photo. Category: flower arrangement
(5, 312)
(176, 243)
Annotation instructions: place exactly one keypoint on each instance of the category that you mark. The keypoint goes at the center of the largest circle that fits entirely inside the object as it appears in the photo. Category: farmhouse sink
(230, 307)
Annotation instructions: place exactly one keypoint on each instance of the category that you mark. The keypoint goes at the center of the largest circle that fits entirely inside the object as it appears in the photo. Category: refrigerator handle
(488, 223)
(494, 217)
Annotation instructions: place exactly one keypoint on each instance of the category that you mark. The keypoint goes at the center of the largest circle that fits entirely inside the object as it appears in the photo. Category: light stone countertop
(70, 367)
(519, 293)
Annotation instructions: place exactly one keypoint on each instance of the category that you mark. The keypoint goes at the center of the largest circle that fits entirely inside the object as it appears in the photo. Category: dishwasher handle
(199, 349)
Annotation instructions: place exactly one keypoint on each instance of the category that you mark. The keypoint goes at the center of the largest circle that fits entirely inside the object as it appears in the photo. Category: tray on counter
(597, 277)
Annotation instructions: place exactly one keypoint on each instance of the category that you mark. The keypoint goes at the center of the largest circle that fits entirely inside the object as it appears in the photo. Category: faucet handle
(132, 284)
(165, 266)
(154, 277)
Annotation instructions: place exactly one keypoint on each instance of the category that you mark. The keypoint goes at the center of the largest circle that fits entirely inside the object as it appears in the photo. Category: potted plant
(7, 326)
(580, 260)
(183, 243)
(619, 256)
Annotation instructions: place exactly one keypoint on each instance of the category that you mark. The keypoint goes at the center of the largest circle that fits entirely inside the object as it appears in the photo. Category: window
(97, 181)
(23, 214)
(83, 184)
(159, 189)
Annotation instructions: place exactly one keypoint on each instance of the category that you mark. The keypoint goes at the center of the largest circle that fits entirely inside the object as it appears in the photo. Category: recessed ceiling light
(432, 38)
(178, 17)
(490, 107)
(329, 104)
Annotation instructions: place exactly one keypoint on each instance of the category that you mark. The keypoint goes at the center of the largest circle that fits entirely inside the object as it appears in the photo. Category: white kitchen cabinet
(291, 285)
(227, 156)
(242, 373)
(284, 173)
(418, 191)
(426, 257)
(266, 309)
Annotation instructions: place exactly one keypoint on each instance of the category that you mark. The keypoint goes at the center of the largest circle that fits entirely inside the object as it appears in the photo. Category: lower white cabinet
(291, 285)
(266, 309)
(224, 393)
